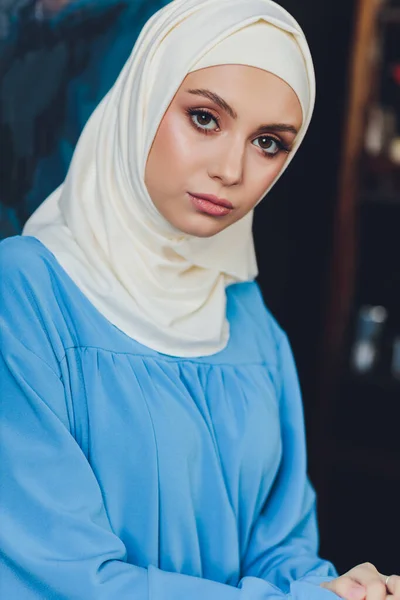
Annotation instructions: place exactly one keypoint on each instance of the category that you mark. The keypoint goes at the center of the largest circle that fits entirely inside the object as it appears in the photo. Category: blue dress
(127, 474)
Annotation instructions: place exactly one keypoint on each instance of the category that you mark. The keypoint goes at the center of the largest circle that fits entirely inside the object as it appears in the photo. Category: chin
(202, 226)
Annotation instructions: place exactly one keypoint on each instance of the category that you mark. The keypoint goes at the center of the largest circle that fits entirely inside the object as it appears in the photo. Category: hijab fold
(161, 287)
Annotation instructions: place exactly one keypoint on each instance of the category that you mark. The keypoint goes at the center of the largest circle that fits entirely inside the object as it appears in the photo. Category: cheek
(166, 161)
(262, 177)
(174, 145)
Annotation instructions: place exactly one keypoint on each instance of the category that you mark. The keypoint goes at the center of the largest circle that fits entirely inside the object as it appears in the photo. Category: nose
(227, 163)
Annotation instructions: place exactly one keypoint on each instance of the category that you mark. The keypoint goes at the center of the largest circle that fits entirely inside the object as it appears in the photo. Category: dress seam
(177, 359)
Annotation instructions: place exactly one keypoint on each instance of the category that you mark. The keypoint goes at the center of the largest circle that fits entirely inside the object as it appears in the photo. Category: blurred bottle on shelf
(382, 154)
(394, 151)
(381, 129)
(367, 344)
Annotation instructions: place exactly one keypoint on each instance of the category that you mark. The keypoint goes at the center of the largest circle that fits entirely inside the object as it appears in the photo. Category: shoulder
(246, 305)
(28, 308)
(22, 259)
(27, 272)
(248, 299)
(273, 344)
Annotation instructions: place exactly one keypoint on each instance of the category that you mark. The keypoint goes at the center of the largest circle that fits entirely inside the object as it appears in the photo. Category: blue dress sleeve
(55, 537)
(284, 545)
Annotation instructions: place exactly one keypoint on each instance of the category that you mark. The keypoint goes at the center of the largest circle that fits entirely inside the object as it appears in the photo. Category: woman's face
(226, 134)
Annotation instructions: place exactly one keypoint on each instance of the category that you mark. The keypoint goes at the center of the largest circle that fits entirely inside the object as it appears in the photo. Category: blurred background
(327, 237)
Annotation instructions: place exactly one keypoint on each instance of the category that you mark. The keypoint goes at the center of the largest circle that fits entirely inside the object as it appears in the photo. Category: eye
(203, 120)
(269, 145)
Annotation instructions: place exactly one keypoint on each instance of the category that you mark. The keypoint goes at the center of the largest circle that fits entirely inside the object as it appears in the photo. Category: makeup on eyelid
(196, 112)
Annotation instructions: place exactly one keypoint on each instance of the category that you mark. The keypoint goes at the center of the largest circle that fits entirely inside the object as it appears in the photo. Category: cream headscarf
(161, 287)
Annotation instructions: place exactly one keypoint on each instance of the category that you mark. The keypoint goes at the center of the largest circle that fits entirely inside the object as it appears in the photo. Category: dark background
(293, 227)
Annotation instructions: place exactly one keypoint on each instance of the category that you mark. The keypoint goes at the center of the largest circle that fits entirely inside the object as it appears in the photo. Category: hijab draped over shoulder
(158, 285)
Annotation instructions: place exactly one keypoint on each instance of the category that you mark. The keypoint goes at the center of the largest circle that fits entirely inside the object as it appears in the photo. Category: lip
(213, 199)
(203, 204)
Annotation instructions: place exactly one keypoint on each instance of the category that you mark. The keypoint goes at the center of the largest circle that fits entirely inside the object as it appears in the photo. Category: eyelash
(196, 112)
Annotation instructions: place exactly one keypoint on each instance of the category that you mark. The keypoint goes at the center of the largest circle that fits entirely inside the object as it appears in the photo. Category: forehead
(248, 89)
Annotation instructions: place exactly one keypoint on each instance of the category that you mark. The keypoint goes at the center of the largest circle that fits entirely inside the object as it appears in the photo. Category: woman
(153, 438)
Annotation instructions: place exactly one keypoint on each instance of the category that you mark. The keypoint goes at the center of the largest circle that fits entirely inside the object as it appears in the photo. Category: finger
(376, 590)
(364, 572)
(393, 586)
(369, 576)
(345, 587)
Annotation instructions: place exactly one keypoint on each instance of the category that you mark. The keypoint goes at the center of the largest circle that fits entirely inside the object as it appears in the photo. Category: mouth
(211, 205)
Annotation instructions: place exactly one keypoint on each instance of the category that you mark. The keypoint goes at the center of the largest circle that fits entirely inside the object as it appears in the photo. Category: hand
(364, 582)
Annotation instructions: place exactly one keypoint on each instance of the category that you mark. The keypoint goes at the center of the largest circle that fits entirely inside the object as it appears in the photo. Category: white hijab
(161, 287)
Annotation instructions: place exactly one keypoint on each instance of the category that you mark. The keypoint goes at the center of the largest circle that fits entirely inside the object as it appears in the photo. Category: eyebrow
(215, 98)
(276, 128)
(271, 127)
